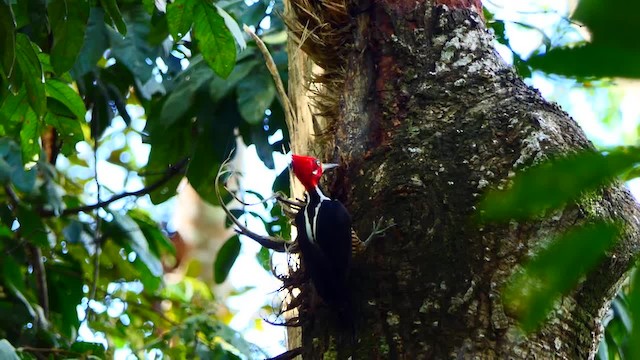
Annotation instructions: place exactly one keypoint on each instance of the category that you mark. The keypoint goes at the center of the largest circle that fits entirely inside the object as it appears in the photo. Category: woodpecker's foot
(358, 246)
(379, 228)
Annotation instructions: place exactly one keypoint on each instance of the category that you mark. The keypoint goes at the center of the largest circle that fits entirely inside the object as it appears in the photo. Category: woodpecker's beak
(329, 166)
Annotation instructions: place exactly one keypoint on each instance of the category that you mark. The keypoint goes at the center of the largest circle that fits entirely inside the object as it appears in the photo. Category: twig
(287, 355)
(273, 69)
(41, 277)
(270, 242)
(170, 173)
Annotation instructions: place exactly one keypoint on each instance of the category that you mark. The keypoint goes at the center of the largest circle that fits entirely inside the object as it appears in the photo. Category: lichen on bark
(427, 118)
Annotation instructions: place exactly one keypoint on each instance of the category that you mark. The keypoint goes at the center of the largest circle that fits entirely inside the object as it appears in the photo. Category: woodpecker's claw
(358, 246)
(378, 230)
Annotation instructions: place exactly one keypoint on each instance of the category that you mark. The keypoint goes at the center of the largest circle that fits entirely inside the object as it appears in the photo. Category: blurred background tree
(106, 106)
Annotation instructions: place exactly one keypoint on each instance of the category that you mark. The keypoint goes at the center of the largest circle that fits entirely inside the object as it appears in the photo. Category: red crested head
(308, 170)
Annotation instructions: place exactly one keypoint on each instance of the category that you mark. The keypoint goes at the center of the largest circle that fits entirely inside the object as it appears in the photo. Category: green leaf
(7, 351)
(590, 60)
(30, 139)
(633, 351)
(137, 242)
(233, 27)
(180, 18)
(22, 179)
(554, 183)
(181, 100)
(214, 38)
(111, 8)
(264, 258)
(33, 76)
(158, 241)
(69, 130)
(31, 227)
(7, 39)
(15, 106)
(12, 111)
(96, 41)
(88, 348)
(73, 232)
(213, 144)
(133, 50)
(68, 23)
(555, 270)
(67, 96)
(13, 273)
(168, 147)
(65, 281)
(255, 94)
(220, 88)
(599, 15)
(225, 259)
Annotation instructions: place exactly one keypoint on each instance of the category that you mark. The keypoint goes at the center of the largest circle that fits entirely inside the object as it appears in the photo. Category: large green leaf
(613, 22)
(65, 281)
(32, 74)
(590, 60)
(130, 230)
(214, 143)
(613, 49)
(96, 41)
(169, 146)
(63, 93)
(214, 38)
(226, 258)
(255, 93)
(181, 100)
(68, 22)
(220, 88)
(7, 39)
(552, 184)
(555, 270)
(180, 18)
(23, 180)
(133, 50)
(68, 127)
(159, 243)
(111, 8)
(30, 138)
(31, 227)
(14, 107)
(233, 27)
(634, 308)
(89, 350)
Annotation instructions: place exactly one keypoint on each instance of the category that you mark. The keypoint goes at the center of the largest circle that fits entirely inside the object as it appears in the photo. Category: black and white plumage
(324, 238)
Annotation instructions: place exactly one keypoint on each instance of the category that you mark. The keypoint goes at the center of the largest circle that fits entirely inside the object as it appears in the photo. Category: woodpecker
(324, 234)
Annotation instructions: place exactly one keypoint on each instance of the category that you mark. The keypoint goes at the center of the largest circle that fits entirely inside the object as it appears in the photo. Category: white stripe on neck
(311, 227)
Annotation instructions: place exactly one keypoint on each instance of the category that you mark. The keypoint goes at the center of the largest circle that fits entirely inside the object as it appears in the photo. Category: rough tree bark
(424, 116)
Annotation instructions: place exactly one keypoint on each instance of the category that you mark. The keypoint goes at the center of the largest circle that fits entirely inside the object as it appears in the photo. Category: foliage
(547, 187)
(77, 74)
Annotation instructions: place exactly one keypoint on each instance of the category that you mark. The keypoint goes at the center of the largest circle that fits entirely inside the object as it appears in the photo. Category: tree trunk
(424, 116)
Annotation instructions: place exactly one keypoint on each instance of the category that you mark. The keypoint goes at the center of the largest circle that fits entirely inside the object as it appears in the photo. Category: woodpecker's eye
(318, 162)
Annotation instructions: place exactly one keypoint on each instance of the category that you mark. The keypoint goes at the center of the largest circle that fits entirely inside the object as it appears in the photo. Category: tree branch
(170, 173)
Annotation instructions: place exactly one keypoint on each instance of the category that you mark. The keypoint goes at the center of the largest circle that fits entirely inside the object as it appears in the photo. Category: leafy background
(155, 92)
